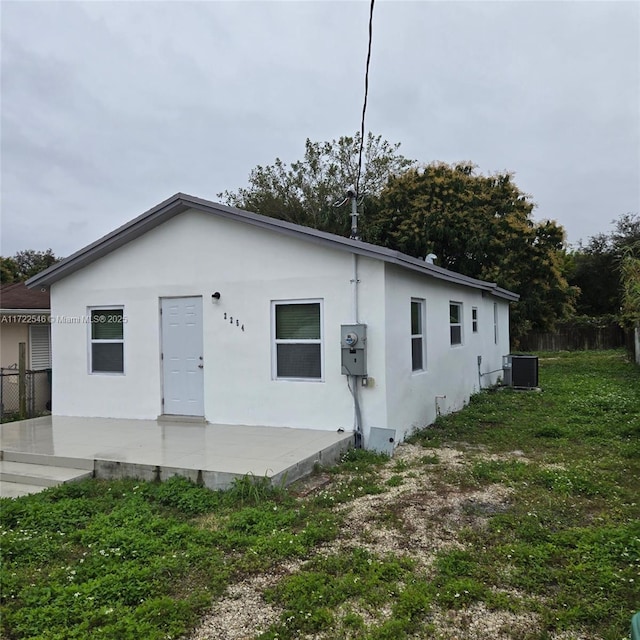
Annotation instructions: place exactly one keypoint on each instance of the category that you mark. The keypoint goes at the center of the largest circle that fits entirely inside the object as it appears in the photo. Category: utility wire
(366, 92)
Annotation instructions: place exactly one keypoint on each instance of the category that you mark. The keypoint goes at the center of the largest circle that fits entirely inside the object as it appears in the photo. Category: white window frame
(474, 319)
(456, 324)
(421, 302)
(495, 323)
(91, 341)
(275, 342)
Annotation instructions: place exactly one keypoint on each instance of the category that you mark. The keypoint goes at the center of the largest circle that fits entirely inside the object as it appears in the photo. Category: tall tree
(306, 192)
(630, 281)
(25, 264)
(480, 226)
(626, 238)
(597, 267)
(593, 271)
(8, 270)
(626, 233)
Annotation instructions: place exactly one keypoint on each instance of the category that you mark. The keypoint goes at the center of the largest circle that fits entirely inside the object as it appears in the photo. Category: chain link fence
(26, 398)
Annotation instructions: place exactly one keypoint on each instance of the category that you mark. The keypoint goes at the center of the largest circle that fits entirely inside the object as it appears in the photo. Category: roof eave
(113, 240)
(415, 264)
(181, 202)
(25, 312)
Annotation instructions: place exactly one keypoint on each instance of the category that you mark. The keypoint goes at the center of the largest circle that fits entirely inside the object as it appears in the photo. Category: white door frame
(182, 356)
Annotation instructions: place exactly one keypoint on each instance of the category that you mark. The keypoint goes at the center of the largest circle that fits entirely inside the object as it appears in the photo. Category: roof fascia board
(113, 240)
(440, 273)
(505, 293)
(181, 202)
(178, 204)
(354, 246)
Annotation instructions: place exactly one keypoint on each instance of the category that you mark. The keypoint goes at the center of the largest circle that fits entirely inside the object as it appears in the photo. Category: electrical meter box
(353, 343)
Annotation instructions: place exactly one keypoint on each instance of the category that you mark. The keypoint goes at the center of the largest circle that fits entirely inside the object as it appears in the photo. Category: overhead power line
(366, 93)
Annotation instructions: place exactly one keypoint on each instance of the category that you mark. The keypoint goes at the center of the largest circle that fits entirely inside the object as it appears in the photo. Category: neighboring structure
(24, 318)
(202, 310)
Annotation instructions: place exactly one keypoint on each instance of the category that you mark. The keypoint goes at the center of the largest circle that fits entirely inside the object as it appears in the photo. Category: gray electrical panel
(353, 344)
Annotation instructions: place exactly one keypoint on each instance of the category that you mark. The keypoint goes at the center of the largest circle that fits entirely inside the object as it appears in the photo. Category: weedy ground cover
(517, 517)
(127, 559)
(570, 538)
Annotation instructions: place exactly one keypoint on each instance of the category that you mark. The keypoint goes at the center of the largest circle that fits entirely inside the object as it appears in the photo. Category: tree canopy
(630, 281)
(479, 226)
(598, 268)
(25, 264)
(306, 192)
(592, 269)
(626, 233)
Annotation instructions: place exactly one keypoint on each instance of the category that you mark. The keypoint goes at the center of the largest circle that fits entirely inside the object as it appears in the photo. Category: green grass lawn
(571, 536)
(139, 560)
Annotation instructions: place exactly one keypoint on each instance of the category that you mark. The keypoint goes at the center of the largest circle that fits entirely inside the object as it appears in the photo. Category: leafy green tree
(626, 238)
(8, 270)
(479, 226)
(626, 233)
(596, 268)
(630, 280)
(593, 271)
(25, 264)
(306, 192)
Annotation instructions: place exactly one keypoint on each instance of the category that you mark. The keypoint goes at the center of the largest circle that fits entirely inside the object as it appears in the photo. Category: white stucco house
(201, 310)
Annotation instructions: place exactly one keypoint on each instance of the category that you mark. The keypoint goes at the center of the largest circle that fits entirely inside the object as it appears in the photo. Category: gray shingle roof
(181, 202)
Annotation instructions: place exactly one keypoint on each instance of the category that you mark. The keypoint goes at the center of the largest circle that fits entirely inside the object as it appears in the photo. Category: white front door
(182, 357)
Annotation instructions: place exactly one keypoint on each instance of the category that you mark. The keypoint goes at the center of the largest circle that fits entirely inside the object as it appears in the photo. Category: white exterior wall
(197, 254)
(414, 399)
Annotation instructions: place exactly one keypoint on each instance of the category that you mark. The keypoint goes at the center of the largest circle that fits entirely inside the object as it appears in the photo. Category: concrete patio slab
(212, 454)
(18, 489)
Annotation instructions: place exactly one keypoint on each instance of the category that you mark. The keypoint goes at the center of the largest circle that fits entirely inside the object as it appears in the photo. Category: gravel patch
(418, 518)
(479, 623)
(243, 613)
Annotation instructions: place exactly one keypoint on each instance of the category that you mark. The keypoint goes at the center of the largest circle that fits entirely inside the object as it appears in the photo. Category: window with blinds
(297, 334)
(40, 346)
(107, 340)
